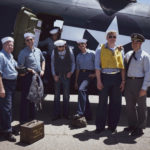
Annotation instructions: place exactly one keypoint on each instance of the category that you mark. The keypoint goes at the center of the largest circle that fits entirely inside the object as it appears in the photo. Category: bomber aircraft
(89, 19)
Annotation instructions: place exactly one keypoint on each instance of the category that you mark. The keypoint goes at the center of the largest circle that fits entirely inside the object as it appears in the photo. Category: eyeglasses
(110, 37)
(29, 40)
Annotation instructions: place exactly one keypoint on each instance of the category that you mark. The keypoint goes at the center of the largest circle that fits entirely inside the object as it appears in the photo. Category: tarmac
(59, 135)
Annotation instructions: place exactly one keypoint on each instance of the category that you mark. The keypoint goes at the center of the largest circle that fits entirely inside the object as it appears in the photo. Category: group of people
(115, 72)
(32, 59)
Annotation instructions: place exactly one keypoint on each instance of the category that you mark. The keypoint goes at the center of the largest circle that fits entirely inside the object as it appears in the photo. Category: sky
(144, 1)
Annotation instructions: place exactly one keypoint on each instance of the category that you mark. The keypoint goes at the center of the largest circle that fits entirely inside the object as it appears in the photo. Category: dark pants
(83, 100)
(112, 89)
(6, 105)
(65, 82)
(27, 109)
(47, 67)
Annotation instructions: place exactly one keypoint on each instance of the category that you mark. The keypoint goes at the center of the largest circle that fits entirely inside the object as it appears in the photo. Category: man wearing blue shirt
(62, 66)
(85, 73)
(110, 83)
(31, 58)
(49, 42)
(138, 79)
(8, 77)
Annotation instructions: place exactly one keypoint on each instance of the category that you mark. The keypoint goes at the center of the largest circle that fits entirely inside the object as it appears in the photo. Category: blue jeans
(6, 105)
(83, 100)
(112, 90)
(27, 109)
(65, 82)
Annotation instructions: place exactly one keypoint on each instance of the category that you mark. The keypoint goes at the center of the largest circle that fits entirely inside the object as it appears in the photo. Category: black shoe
(67, 117)
(10, 137)
(77, 116)
(88, 118)
(15, 131)
(98, 131)
(112, 130)
(1, 133)
(137, 132)
(129, 129)
(56, 117)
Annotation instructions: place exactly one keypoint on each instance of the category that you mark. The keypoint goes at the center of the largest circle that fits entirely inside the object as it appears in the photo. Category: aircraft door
(26, 21)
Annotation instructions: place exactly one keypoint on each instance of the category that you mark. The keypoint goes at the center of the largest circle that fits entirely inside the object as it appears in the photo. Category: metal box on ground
(32, 131)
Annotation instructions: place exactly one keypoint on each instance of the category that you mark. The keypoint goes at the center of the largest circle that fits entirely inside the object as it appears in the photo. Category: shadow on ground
(46, 113)
(111, 139)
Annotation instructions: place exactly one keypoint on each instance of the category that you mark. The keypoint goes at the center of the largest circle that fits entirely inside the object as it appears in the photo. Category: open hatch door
(26, 21)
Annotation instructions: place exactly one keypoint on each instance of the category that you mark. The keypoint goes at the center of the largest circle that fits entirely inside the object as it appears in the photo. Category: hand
(122, 86)
(120, 48)
(142, 93)
(92, 75)
(76, 86)
(69, 74)
(42, 73)
(100, 85)
(2, 93)
(56, 78)
(31, 70)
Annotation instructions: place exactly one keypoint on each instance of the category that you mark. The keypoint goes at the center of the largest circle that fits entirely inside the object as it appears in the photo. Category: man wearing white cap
(85, 73)
(49, 42)
(8, 77)
(62, 66)
(31, 58)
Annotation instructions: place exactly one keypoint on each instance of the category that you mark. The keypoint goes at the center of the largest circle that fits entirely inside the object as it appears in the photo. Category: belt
(86, 70)
(61, 74)
(110, 72)
(135, 78)
(9, 79)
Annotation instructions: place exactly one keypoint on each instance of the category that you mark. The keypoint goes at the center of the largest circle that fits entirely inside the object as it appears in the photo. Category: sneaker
(137, 132)
(10, 137)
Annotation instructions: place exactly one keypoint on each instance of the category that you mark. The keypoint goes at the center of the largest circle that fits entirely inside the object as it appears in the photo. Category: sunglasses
(110, 37)
(29, 40)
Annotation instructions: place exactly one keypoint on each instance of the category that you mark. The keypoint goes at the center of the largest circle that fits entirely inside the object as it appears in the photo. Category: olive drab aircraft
(89, 19)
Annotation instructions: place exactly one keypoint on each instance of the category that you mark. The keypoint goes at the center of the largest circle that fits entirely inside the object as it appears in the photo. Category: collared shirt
(85, 60)
(139, 67)
(62, 55)
(31, 58)
(49, 43)
(98, 61)
(7, 66)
